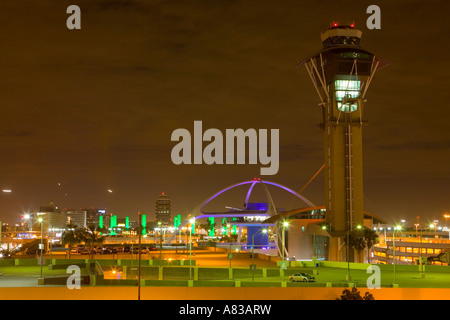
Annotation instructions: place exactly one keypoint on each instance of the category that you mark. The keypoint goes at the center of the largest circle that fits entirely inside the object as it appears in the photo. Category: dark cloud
(14, 134)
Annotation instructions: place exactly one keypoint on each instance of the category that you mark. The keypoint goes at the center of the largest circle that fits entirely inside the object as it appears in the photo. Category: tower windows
(347, 93)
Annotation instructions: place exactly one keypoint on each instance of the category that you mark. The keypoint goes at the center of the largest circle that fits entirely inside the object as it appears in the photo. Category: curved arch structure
(199, 209)
(271, 211)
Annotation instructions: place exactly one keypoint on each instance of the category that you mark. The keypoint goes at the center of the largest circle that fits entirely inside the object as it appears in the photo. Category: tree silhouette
(72, 235)
(360, 239)
(354, 294)
(91, 236)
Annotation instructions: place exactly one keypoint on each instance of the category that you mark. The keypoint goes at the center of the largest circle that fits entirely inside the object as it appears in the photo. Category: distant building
(52, 215)
(163, 209)
(93, 217)
(76, 217)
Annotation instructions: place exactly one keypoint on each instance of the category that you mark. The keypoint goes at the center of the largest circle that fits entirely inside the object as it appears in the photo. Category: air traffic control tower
(341, 73)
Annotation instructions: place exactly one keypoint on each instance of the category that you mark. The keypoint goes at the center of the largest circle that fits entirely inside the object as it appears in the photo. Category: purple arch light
(253, 183)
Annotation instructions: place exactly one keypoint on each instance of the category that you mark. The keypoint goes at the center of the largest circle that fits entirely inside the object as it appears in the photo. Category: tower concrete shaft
(341, 73)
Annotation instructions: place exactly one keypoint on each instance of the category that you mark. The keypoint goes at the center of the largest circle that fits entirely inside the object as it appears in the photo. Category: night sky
(84, 111)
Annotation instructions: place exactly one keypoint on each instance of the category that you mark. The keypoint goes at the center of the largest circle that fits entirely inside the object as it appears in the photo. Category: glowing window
(347, 89)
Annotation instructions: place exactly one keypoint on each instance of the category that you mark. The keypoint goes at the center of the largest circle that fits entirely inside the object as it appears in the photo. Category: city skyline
(87, 115)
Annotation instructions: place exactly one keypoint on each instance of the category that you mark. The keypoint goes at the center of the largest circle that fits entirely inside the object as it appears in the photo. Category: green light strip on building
(211, 229)
(113, 225)
(127, 222)
(224, 227)
(144, 224)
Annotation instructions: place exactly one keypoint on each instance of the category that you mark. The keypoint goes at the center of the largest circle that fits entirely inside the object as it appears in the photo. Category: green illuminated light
(211, 229)
(144, 224)
(192, 221)
(225, 232)
(113, 224)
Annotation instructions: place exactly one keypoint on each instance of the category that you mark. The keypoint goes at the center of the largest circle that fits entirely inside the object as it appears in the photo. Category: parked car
(152, 248)
(105, 251)
(85, 251)
(97, 249)
(113, 250)
(304, 277)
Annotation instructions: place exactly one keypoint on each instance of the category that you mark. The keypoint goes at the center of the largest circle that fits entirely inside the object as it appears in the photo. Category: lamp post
(41, 220)
(285, 224)
(314, 250)
(253, 245)
(50, 242)
(160, 242)
(435, 223)
(139, 249)
(192, 221)
(422, 273)
(393, 250)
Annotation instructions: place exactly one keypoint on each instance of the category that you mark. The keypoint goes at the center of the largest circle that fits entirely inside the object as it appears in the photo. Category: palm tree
(356, 241)
(71, 236)
(361, 239)
(91, 236)
(372, 239)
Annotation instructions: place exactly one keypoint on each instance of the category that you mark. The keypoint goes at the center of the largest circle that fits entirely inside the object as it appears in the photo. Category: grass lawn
(337, 276)
(404, 279)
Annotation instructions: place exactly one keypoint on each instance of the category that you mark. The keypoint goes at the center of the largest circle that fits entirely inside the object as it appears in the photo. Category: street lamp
(285, 224)
(422, 273)
(50, 239)
(41, 220)
(432, 226)
(139, 249)
(192, 221)
(253, 245)
(393, 248)
(160, 242)
(435, 223)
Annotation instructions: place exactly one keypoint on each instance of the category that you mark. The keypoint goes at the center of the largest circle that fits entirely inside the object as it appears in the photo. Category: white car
(304, 277)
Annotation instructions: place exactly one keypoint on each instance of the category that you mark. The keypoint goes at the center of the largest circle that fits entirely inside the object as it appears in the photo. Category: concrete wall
(299, 237)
